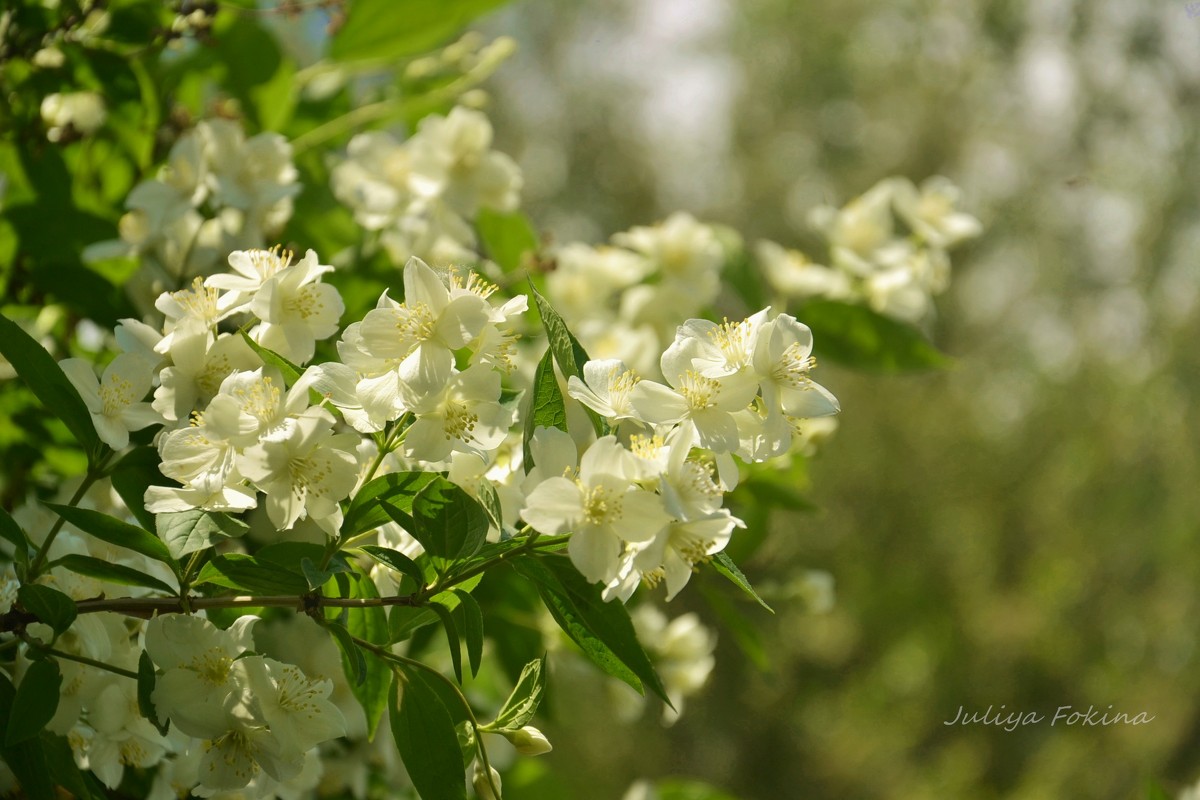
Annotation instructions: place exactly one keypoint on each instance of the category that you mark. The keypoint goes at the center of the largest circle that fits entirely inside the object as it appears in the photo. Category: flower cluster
(642, 505)
(218, 192)
(422, 194)
(869, 260)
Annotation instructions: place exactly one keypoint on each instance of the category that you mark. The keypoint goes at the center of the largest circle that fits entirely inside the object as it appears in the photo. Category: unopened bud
(529, 741)
(483, 787)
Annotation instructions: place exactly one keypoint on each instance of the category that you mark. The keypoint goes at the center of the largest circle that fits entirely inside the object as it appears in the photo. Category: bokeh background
(1020, 530)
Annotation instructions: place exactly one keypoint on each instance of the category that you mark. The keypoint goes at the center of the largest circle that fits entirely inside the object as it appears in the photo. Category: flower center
(305, 303)
(600, 505)
(460, 421)
(699, 391)
(115, 395)
(792, 368)
(733, 339)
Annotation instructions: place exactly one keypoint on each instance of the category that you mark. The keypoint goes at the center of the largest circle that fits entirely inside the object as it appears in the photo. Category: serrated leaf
(723, 564)
(397, 561)
(188, 531)
(602, 630)
(49, 605)
(506, 237)
(546, 405)
(145, 691)
(35, 702)
(11, 532)
(250, 574)
(424, 733)
(447, 521)
(472, 628)
(523, 701)
(115, 531)
(397, 489)
(452, 640)
(109, 571)
(49, 383)
(568, 352)
(859, 337)
(369, 624)
(389, 29)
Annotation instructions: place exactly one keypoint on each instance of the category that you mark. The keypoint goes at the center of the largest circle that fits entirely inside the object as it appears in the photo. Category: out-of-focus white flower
(792, 274)
(482, 785)
(932, 212)
(682, 651)
(529, 741)
(858, 230)
(115, 400)
(83, 112)
(452, 159)
(688, 255)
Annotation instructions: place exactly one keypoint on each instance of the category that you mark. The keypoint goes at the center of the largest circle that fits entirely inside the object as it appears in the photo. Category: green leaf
(103, 570)
(47, 380)
(291, 372)
(602, 630)
(404, 620)
(188, 531)
(396, 28)
(681, 789)
(35, 702)
(747, 637)
(251, 574)
(424, 732)
(452, 640)
(11, 532)
(448, 522)
(49, 605)
(369, 624)
(723, 564)
(506, 237)
(489, 498)
(132, 475)
(145, 690)
(568, 352)
(472, 628)
(397, 489)
(114, 531)
(546, 406)
(397, 561)
(525, 698)
(353, 660)
(859, 337)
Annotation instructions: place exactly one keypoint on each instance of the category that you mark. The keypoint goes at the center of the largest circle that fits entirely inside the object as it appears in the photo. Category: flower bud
(529, 741)
(483, 788)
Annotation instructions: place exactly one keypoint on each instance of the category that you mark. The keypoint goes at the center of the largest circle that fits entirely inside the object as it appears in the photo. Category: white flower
(682, 650)
(252, 404)
(425, 330)
(115, 400)
(452, 159)
(792, 274)
(190, 311)
(600, 508)
(463, 415)
(674, 553)
(374, 178)
(782, 360)
(234, 757)
(121, 736)
(687, 253)
(529, 741)
(253, 268)
(605, 388)
(932, 212)
(296, 309)
(296, 708)
(198, 678)
(82, 111)
(199, 365)
(305, 470)
(861, 228)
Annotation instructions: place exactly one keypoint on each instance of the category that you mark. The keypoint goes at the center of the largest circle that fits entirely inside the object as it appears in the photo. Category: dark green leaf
(11, 532)
(397, 561)
(546, 406)
(452, 639)
(109, 571)
(353, 660)
(35, 702)
(525, 698)
(602, 630)
(424, 732)
(114, 531)
(405, 619)
(47, 380)
(568, 352)
(472, 628)
(448, 522)
(396, 28)
(49, 605)
(291, 373)
(489, 498)
(188, 531)
(859, 337)
(506, 237)
(250, 574)
(723, 564)
(397, 489)
(145, 690)
(369, 624)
